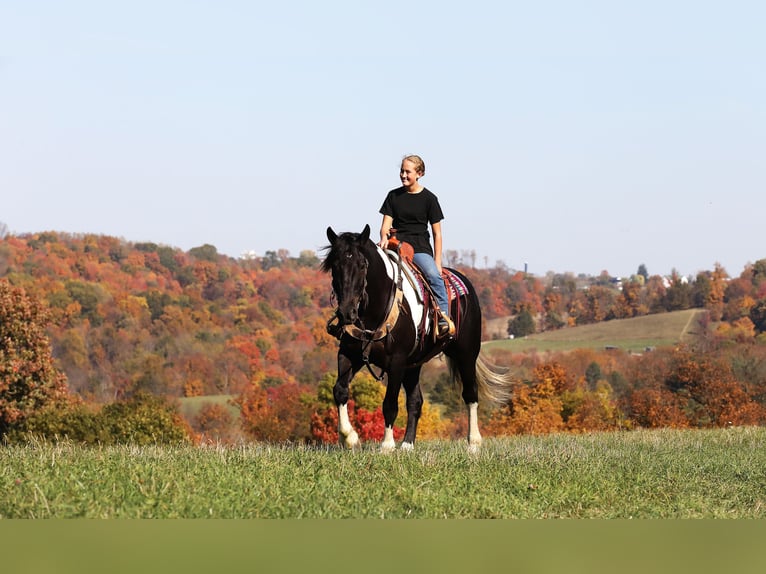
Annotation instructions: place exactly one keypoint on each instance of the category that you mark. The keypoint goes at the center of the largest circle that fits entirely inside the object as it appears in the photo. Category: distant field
(633, 335)
(190, 406)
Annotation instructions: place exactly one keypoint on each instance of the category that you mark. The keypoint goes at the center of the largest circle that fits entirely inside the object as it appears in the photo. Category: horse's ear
(365, 235)
(332, 236)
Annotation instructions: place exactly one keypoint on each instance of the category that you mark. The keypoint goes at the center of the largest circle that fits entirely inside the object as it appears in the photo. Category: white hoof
(352, 440)
(388, 444)
(474, 447)
(386, 447)
(408, 446)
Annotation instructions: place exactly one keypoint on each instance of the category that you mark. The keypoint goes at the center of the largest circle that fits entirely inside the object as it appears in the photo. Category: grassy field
(642, 474)
(634, 334)
(190, 406)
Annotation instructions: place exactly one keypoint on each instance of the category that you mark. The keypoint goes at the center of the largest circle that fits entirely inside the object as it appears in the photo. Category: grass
(642, 474)
(634, 334)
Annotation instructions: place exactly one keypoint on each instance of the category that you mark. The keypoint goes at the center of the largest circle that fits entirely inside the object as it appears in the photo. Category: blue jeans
(427, 265)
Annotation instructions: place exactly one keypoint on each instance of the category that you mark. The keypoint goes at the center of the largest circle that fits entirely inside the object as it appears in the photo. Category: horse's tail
(495, 383)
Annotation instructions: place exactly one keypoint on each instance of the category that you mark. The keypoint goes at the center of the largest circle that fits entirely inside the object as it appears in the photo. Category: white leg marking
(474, 436)
(388, 443)
(346, 433)
(408, 446)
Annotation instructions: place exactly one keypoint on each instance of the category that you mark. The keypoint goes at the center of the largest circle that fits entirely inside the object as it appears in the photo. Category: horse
(380, 321)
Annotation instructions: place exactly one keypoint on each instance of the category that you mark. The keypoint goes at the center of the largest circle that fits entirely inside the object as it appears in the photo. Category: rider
(409, 209)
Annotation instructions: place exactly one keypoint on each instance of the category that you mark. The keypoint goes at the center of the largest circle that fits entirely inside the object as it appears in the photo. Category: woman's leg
(427, 265)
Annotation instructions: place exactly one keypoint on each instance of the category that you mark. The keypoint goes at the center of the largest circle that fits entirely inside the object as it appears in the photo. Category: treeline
(127, 320)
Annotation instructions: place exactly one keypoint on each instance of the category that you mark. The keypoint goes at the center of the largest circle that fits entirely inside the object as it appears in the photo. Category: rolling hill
(635, 334)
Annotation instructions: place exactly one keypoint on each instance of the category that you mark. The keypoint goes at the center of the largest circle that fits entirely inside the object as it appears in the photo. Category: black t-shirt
(412, 212)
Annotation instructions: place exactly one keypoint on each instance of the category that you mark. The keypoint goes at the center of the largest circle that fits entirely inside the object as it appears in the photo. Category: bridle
(368, 336)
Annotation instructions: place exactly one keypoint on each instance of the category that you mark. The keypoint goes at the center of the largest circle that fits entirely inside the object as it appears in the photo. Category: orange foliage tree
(29, 380)
(214, 423)
(536, 407)
(277, 414)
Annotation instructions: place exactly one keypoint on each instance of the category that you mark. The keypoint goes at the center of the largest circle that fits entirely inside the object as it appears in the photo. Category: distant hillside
(633, 335)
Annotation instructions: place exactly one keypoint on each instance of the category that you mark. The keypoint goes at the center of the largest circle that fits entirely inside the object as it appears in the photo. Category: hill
(634, 334)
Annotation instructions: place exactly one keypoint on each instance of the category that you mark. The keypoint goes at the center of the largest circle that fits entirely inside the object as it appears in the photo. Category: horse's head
(348, 265)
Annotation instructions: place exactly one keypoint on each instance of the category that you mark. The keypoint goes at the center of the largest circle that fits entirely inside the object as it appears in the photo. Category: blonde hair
(417, 161)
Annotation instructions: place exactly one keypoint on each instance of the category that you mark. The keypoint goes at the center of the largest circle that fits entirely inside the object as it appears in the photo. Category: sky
(573, 137)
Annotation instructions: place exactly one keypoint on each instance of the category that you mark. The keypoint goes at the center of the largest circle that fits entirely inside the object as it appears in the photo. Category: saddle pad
(455, 285)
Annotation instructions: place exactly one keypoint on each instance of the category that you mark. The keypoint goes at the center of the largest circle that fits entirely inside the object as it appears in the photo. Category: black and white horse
(382, 321)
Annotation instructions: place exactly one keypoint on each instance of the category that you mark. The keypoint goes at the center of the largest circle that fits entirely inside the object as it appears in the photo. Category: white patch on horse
(388, 444)
(474, 437)
(346, 432)
(412, 298)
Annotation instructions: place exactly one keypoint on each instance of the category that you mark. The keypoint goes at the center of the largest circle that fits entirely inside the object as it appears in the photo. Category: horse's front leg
(414, 406)
(391, 403)
(347, 436)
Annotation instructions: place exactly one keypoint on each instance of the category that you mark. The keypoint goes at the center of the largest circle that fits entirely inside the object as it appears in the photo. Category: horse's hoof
(352, 440)
(386, 447)
(474, 447)
(408, 446)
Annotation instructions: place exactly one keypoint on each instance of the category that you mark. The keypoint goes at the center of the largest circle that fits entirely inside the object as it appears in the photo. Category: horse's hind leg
(414, 406)
(467, 370)
(391, 404)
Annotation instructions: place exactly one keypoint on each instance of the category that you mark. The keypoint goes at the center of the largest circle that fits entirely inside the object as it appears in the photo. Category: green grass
(642, 474)
(634, 334)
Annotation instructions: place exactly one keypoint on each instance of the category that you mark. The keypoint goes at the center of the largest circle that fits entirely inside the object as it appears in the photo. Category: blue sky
(570, 136)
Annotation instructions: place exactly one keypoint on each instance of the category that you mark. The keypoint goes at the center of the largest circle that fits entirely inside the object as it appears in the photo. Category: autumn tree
(716, 293)
(28, 379)
(536, 406)
(277, 414)
(214, 422)
(628, 303)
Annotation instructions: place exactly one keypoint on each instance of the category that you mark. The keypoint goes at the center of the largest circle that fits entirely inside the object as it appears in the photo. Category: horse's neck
(379, 285)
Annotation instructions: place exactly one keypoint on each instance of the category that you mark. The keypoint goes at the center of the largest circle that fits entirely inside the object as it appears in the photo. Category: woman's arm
(436, 231)
(385, 227)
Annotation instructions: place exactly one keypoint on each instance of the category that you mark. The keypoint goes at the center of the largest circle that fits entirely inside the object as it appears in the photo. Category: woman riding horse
(409, 209)
(378, 322)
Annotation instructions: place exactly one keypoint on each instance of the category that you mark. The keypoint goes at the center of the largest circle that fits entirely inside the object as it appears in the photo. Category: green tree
(88, 295)
(28, 379)
(679, 295)
(759, 271)
(593, 374)
(522, 325)
(204, 252)
(758, 315)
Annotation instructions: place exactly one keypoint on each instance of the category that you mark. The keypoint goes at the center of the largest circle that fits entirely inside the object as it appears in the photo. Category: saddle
(452, 282)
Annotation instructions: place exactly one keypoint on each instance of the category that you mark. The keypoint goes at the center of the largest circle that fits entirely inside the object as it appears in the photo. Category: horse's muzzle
(348, 316)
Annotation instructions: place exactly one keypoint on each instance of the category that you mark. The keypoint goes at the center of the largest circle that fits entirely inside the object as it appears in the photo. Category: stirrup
(444, 326)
